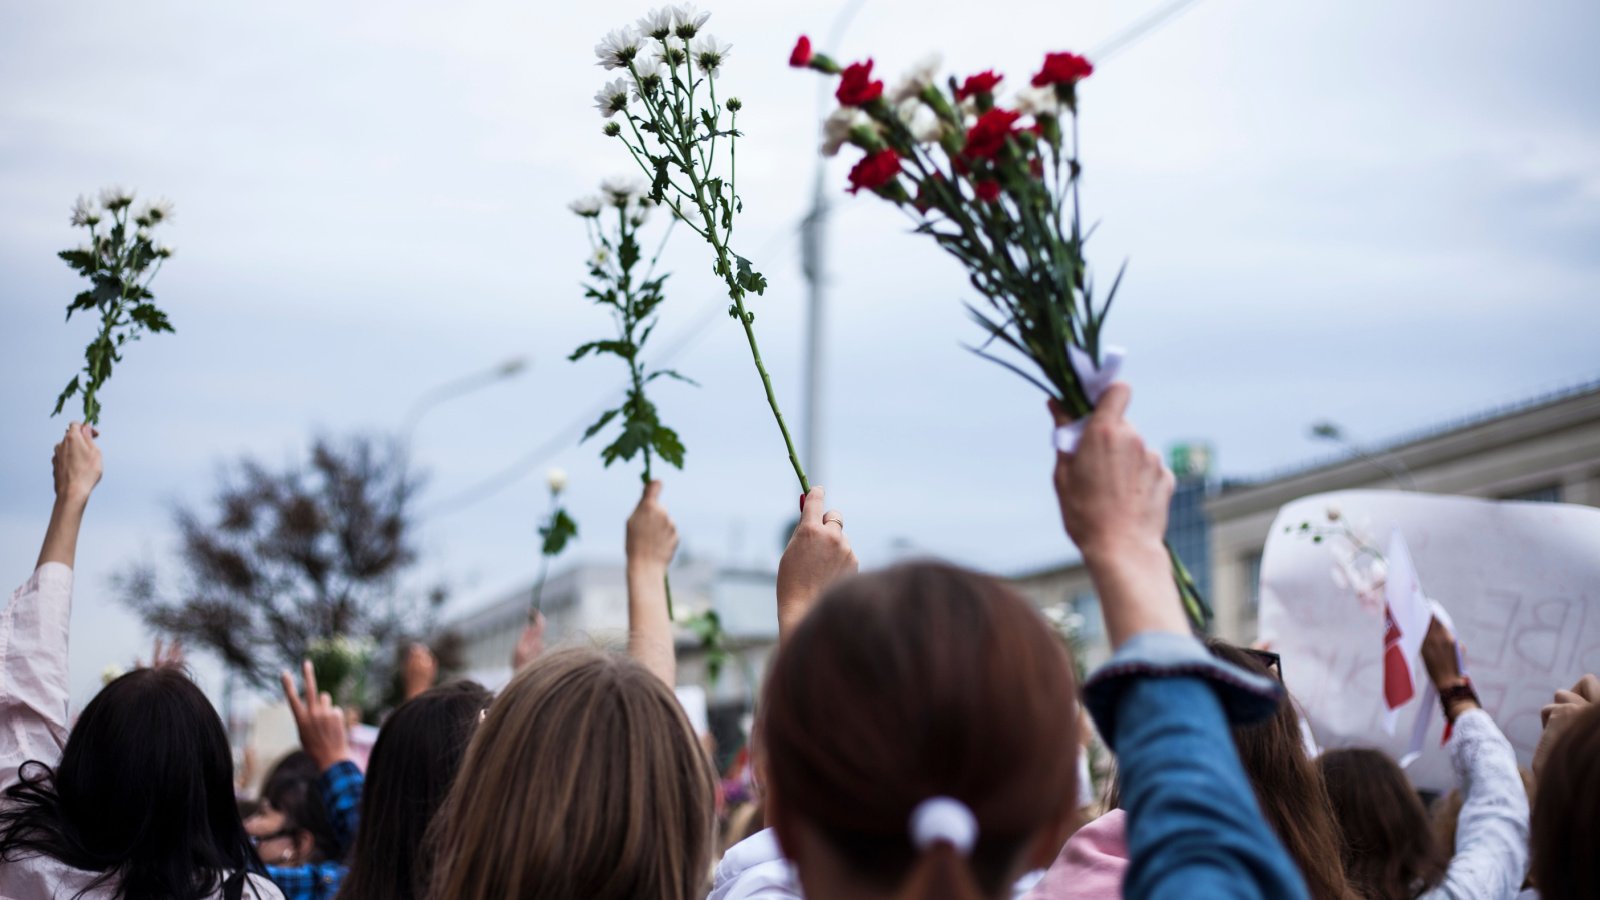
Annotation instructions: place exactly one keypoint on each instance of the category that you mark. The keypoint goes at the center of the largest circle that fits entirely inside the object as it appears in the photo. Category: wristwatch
(1455, 693)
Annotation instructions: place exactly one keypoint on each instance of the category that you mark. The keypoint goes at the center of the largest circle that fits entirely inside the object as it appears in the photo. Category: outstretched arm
(33, 625)
(652, 540)
(818, 555)
(1194, 827)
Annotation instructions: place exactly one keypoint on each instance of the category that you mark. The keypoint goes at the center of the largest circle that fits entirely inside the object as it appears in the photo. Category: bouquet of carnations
(996, 185)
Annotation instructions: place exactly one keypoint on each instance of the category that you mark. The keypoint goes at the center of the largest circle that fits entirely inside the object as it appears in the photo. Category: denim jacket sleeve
(1194, 828)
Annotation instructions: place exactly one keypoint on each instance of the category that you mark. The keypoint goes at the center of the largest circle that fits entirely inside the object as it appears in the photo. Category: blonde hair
(585, 780)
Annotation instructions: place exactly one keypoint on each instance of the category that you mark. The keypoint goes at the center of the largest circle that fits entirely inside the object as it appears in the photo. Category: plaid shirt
(341, 790)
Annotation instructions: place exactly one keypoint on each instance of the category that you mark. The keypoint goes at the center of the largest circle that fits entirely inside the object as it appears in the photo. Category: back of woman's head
(584, 780)
(293, 788)
(1390, 850)
(143, 793)
(919, 682)
(1566, 814)
(413, 764)
(1289, 787)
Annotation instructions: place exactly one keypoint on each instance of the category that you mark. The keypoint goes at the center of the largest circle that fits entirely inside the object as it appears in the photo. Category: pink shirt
(33, 721)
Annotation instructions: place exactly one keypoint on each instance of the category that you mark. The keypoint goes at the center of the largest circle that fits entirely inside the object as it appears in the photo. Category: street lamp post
(1388, 462)
(450, 390)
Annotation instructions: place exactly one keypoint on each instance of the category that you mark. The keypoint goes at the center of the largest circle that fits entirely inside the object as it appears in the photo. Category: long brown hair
(1566, 814)
(921, 681)
(585, 780)
(1289, 788)
(1390, 849)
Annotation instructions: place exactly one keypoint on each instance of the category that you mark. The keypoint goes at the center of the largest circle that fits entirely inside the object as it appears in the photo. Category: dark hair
(1390, 849)
(923, 680)
(1566, 814)
(293, 788)
(411, 768)
(1289, 787)
(143, 795)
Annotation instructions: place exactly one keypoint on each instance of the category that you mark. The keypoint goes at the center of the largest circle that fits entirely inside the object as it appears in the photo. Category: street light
(1388, 462)
(456, 388)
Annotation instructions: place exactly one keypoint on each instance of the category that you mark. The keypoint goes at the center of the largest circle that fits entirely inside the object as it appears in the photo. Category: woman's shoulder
(261, 888)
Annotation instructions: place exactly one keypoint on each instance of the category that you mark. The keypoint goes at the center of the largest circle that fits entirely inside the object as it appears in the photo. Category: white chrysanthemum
(912, 83)
(556, 480)
(837, 126)
(85, 212)
(709, 53)
(652, 75)
(158, 211)
(115, 197)
(618, 48)
(621, 189)
(921, 121)
(588, 206)
(657, 23)
(687, 20)
(1032, 101)
(641, 211)
(612, 98)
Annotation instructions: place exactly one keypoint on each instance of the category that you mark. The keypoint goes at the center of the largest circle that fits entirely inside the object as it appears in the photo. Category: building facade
(1544, 449)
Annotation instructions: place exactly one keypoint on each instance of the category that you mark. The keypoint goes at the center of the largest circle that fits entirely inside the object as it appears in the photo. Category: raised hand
(652, 538)
(651, 542)
(1559, 715)
(530, 645)
(419, 670)
(324, 733)
(818, 555)
(1113, 492)
(76, 469)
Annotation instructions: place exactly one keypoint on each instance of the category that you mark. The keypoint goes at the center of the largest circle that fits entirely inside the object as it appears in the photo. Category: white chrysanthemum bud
(912, 83)
(709, 53)
(618, 48)
(612, 98)
(556, 480)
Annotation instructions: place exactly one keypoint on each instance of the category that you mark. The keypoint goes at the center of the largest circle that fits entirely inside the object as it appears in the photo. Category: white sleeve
(1490, 858)
(755, 869)
(33, 671)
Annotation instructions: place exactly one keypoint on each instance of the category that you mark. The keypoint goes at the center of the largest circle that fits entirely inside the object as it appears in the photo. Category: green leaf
(749, 278)
(600, 423)
(670, 373)
(154, 320)
(557, 532)
(634, 438)
(72, 388)
(620, 348)
(668, 446)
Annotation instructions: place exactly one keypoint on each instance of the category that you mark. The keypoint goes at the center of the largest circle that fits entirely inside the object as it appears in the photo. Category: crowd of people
(919, 734)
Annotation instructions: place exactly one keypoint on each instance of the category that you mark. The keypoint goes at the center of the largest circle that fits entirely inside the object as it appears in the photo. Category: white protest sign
(1521, 581)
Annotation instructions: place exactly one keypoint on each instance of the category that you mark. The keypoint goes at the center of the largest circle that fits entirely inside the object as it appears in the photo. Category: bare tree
(284, 560)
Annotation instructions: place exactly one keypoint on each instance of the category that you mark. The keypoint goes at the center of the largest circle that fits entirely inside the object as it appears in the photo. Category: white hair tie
(943, 820)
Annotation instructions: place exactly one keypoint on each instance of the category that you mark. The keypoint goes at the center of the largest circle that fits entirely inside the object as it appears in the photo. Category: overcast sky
(1383, 214)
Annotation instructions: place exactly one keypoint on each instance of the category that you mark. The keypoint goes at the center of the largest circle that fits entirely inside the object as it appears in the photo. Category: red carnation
(989, 134)
(801, 56)
(856, 87)
(875, 170)
(988, 190)
(981, 83)
(1063, 68)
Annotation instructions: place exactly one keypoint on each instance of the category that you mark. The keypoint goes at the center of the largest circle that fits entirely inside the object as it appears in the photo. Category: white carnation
(837, 126)
(921, 121)
(914, 81)
(1032, 101)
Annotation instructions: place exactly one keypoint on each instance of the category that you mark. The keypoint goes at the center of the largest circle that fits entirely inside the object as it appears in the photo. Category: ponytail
(943, 831)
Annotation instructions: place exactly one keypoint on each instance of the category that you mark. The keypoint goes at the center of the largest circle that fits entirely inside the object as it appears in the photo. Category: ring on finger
(834, 518)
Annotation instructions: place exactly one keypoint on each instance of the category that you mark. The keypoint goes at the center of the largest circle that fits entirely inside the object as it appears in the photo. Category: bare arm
(652, 540)
(77, 469)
